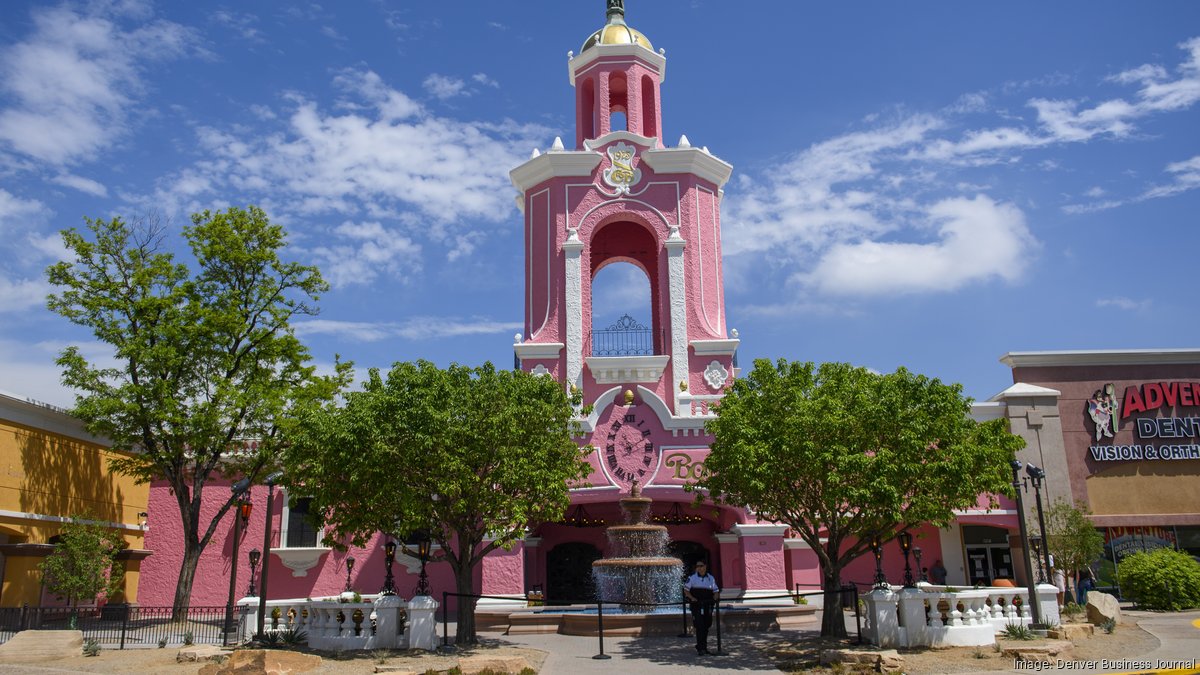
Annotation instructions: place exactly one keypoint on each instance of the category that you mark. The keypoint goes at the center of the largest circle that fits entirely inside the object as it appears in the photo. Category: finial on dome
(615, 8)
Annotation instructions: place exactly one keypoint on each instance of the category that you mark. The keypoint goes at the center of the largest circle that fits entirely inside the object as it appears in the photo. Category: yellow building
(51, 468)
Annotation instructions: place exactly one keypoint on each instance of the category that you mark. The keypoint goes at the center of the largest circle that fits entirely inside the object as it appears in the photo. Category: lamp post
(1035, 544)
(1035, 607)
(255, 555)
(920, 570)
(877, 549)
(266, 554)
(905, 540)
(241, 517)
(1036, 476)
(389, 556)
(349, 569)
(423, 553)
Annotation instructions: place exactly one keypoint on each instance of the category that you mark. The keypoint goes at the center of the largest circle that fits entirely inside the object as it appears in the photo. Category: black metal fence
(121, 626)
(626, 337)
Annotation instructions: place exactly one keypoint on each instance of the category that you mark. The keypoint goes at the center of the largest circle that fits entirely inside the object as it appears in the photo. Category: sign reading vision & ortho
(1103, 409)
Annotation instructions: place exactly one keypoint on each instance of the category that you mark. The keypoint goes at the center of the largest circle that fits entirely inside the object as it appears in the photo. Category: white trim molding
(573, 292)
(1101, 357)
(715, 347)
(1023, 390)
(538, 350)
(5, 513)
(759, 530)
(577, 63)
(796, 543)
(618, 369)
(692, 161)
(554, 164)
(300, 560)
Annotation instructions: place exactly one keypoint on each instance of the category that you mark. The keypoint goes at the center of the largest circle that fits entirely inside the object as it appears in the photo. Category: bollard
(717, 620)
(685, 613)
(600, 630)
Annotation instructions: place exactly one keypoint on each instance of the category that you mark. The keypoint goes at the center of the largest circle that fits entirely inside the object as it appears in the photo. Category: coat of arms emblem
(621, 175)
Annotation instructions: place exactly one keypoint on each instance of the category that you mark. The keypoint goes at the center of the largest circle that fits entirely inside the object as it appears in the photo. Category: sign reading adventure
(1105, 411)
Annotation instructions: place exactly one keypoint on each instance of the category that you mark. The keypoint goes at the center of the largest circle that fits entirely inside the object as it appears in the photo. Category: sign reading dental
(1105, 411)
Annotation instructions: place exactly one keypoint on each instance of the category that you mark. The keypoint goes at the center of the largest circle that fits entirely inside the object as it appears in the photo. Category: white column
(882, 618)
(572, 247)
(912, 615)
(387, 622)
(422, 623)
(250, 627)
(678, 299)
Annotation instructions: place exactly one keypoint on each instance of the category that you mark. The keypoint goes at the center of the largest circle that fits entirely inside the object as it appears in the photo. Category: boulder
(263, 662)
(200, 653)
(42, 645)
(1072, 631)
(1044, 652)
(501, 664)
(398, 670)
(1101, 607)
(886, 661)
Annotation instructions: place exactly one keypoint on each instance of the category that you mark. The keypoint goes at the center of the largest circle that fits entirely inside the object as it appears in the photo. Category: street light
(1036, 476)
(1035, 544)
(389, 556)
(1035, 606)
(241, 517)
(920, 570)
(905, 540)
(349, 569)
(262, 598)
(255, 555)
(877, 549)
(423, 545)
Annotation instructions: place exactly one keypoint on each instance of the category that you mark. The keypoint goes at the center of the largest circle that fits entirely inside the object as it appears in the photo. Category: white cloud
(1095, 192)
(1123, 303)
(482, 78)
(443, 87)
(1185, 177)
(977, 239)
(363, 251)
(415, 328)
(242, 24)
(91, 187)
(73, 80)
(22, 294)
(14, 209)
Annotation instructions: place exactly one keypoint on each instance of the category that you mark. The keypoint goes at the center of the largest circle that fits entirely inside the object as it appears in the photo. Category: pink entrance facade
(620, 195)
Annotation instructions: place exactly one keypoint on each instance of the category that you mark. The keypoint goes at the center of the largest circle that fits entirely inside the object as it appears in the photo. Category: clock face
(628, 451)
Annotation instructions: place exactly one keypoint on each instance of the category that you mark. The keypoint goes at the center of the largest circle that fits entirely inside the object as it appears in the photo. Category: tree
(1072, 539)
(207, 366)
(83, 564)
(841, 454)
(473, 456)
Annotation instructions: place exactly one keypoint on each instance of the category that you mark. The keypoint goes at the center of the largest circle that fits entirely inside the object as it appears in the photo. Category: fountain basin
(582, 620)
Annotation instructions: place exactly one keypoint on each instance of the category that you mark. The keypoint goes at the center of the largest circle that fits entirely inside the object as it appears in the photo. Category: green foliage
(162, 643)
(473, 456)
(1160, 579)
(881, 454)
(83, 564)
(1072, 610)
(292, 637)
(1109, 626)
(1017, 631)
(91, 647)
(1073, 540)
(205, 359)
(189, 638)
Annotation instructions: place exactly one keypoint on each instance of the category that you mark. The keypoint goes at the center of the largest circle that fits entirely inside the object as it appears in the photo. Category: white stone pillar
(913, 617)
(250, 626)
(422, 623)
(573, 290)
(677, 281)
(1048, 604)
(882, 618)
(387, 622)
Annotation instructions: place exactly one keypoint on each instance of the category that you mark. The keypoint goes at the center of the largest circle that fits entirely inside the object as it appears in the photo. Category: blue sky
(919, 184)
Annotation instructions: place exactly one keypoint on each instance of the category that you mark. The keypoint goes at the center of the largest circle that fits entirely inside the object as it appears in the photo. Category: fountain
(639, 576)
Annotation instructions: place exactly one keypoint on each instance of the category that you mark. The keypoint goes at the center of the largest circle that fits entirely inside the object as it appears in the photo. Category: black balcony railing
(626, 337)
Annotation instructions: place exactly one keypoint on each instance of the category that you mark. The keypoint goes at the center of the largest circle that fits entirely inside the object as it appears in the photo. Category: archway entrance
(569, 573)
(690, 553)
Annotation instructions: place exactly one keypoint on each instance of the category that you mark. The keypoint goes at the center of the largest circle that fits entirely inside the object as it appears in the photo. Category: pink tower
(622, 195)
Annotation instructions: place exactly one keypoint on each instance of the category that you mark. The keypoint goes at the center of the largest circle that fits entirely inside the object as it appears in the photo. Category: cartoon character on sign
(1103, 408)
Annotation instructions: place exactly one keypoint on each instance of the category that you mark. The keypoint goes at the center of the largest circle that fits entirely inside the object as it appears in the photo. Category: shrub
(189, 639)
(162, 642)
(292, 637)
(1072, 610)
(1017, 631)
(1109, 626)
(91, 647)
(1161, 579)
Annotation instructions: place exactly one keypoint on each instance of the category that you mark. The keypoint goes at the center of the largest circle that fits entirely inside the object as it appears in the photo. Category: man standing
(701, 591)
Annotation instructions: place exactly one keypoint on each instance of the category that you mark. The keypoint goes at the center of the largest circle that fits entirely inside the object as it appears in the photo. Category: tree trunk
(464, 633)
(833, 623)
(187, 576)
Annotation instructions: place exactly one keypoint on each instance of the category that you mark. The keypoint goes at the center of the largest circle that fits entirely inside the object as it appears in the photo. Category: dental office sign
(1163, 438)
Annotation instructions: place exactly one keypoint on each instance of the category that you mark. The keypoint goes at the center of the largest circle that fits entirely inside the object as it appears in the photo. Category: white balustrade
(943, 616)
(388, 622)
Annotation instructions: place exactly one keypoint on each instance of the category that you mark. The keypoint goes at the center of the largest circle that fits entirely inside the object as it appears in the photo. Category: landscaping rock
(1102, 607)
(1073, 631)
(398, 670)
(886, 661)
(1042, 652)
(42, 645)
(500, 664)
(201, 653)
(263, 662)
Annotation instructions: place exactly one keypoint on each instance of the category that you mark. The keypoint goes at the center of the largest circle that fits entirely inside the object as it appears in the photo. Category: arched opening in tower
(625, 312)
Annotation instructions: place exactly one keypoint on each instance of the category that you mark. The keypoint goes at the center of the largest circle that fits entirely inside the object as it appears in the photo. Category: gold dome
(617, 34)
